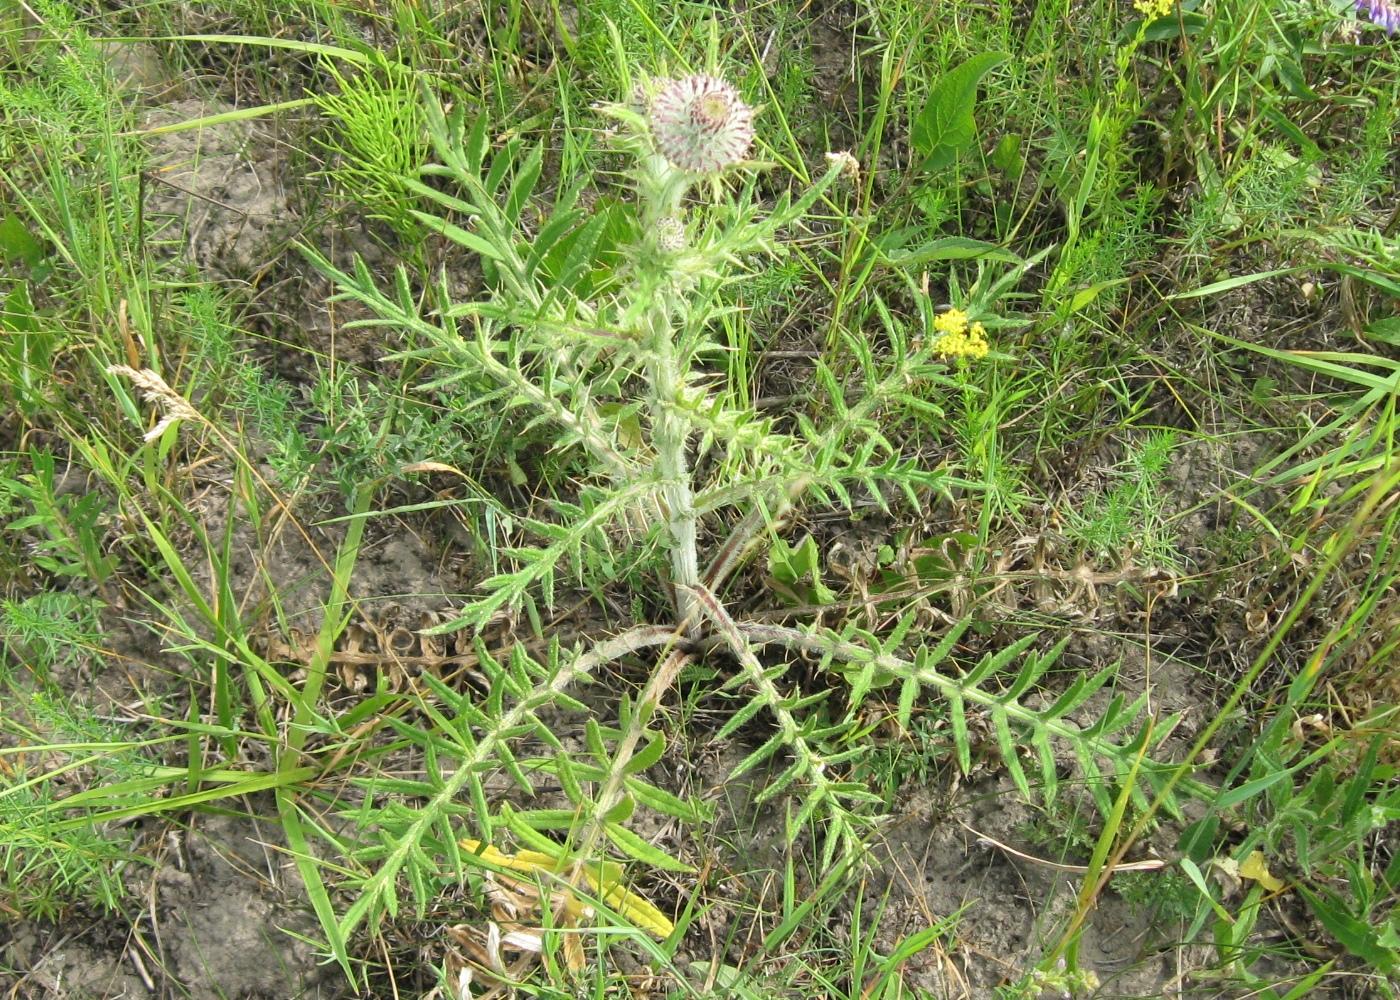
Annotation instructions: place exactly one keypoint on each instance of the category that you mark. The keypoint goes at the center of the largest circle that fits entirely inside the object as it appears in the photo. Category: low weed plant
(677, 477)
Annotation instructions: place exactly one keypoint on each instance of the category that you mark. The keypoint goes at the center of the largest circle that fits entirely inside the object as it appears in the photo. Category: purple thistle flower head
(700, 124)
(1385, 13)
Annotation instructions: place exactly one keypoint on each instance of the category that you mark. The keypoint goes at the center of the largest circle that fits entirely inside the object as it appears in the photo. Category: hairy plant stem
(661, 190)
(670, 434)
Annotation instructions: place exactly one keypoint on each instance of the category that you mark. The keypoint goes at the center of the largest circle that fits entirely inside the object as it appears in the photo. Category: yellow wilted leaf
(521, 861)
(635, 909)
(434, 467)
(1256, 867)
(604, 880)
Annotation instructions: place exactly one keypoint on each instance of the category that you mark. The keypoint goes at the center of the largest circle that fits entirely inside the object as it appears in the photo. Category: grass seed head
(154, 389)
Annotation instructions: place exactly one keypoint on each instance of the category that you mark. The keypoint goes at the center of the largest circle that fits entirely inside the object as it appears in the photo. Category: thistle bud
(670, 235)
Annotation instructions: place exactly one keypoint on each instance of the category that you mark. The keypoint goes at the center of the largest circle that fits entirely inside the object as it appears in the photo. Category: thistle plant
(617, 368)
(694, 128)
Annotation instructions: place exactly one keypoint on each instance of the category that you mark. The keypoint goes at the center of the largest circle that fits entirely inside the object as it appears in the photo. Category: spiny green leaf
(897, 634)
(648, 755)
(794, 771)
(1093, 778)
(1110, 719)
(638, 849)
(739, 718)
(546, 819)
(460, 236)
(765, 751)
(814, 801)
(1049, 776)
(564, 769)
(526, 176)
(666, 802)
(860, 687)
(1009, 751)
(465, 208)
(957, 714)
(1079, 691)
(593, 735)
(622, 811)
(908, 692)
(986, 666)
(1031, 670)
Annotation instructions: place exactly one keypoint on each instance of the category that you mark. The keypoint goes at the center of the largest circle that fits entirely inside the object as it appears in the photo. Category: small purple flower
(700, 124)
(1386, 13)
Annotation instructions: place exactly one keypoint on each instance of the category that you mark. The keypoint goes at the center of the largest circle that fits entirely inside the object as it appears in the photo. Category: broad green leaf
(1087, 295)
(945, 126)
(1386, 330)
(1355, 934)
(18, 243)
(792, 566)
(1249, 789)
(1007, 157)
(1198, 879)
(949, 248)
(1171, 28)
(1229, 284)
(224, 118)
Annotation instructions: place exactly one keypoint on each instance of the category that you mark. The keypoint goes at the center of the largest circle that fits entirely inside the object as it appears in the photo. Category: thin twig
(1150, 865)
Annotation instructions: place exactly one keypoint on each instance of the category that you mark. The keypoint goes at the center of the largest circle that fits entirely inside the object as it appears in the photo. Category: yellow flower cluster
(957, 339)
(1154, 9)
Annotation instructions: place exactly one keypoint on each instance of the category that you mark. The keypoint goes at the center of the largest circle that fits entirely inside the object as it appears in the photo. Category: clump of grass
(51, 858)
(47, 868)
(1126, 522)
(47, 631)
(377, 139)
